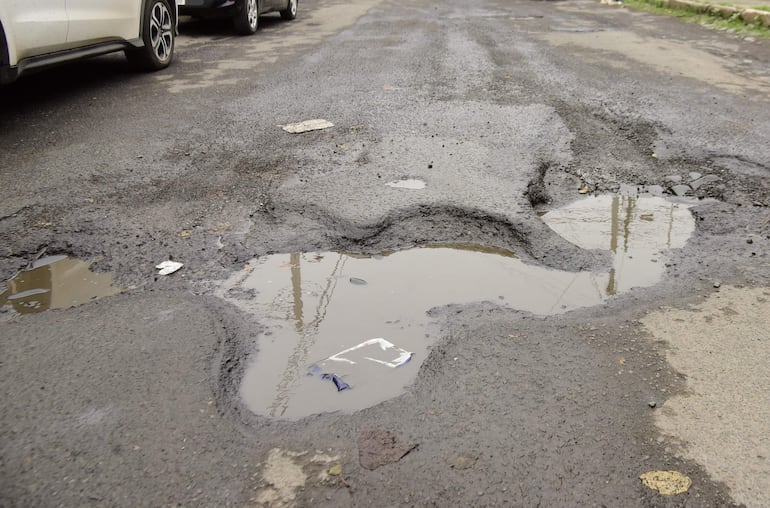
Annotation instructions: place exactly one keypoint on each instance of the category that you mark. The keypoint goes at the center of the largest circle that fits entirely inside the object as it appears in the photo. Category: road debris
(337, 472)
(168, 267)
(668, 483)
(461, 462)
(338, 382)
(370, 347)
(681, 190)
(407, 183)
(704, 180)
(307, 126)
(358, 282)
(584, 190)
(379, 447)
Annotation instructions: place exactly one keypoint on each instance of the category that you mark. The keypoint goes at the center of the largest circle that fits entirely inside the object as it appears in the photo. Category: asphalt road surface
(507, 111)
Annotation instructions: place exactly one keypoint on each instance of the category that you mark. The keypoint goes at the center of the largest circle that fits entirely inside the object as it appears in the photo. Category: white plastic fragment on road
(402, 358)
(168, 267)
(307, 126)
(411, 183)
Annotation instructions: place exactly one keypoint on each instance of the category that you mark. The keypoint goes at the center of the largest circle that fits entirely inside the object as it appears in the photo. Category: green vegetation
(711, 20)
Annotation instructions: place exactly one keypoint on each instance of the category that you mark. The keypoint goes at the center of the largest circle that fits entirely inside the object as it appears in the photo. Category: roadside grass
(733, 23)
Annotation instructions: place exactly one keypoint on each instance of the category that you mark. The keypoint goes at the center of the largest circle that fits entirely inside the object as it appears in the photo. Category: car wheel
(246, 20)
(157, 35)
(291, 10)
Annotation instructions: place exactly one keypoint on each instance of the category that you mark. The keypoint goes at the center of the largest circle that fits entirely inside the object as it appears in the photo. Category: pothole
(55, 282)
(637, 230)
(345, 332)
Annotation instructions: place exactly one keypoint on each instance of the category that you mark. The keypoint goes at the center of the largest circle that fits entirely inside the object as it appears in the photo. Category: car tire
(246, 20)
(158, 37)
(291, 10)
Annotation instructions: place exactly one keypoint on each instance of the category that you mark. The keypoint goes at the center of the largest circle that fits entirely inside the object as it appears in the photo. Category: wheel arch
(5, 55)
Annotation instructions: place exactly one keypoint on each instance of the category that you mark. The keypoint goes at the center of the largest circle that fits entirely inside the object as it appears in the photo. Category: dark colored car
(244, 13)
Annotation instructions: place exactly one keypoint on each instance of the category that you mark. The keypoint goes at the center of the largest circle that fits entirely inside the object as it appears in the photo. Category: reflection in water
(306, 335)
(638, 233)
(56, 282)
(402, 286)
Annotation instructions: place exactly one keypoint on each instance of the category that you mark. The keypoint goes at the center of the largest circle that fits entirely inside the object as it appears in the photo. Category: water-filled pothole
(55, 282)
(345, 332)
(638, 232)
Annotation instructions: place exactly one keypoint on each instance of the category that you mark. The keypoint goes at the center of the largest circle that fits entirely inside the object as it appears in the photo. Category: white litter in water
(411, 183)
(307, 126)
(403, 355)
(168, 267)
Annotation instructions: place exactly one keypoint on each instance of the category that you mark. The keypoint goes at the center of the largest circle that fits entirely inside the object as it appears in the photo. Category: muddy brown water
(55, 282)
(320, 309)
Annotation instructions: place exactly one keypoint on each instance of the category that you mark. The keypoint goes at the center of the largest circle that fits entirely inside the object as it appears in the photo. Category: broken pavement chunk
(704, 180)
(168, 267)
(680, 190)
(379, 447)
(307, 126)
(668, 483)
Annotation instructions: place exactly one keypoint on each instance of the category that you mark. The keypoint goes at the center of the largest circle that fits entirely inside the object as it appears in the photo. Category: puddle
(638, 231)
(55, 282)
(318, 307)
(411, 183)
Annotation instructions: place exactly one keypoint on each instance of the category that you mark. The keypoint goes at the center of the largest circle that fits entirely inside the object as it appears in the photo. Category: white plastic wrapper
(307, 126)
(168, 267)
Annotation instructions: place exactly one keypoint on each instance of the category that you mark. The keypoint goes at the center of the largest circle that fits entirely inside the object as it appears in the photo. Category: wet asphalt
(505, 109)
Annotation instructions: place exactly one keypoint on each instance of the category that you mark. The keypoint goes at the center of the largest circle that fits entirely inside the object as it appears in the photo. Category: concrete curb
(749, 16)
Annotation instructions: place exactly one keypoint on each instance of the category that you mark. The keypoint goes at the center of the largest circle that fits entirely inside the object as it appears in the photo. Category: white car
(41, 33)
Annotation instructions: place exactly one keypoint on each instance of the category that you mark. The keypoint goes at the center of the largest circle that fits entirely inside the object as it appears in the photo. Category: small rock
(652, 404)
(655, 190)
(681, 190)
(717, 285)
(749, 241)
(694, 175)
(463, 462)
(704, 180)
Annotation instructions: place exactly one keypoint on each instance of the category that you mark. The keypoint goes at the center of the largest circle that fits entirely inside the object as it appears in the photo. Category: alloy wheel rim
(293, 7)
(251, 12)
(161, 34)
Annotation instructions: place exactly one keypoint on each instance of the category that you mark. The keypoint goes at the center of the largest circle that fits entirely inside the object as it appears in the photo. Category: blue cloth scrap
(338, 382)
